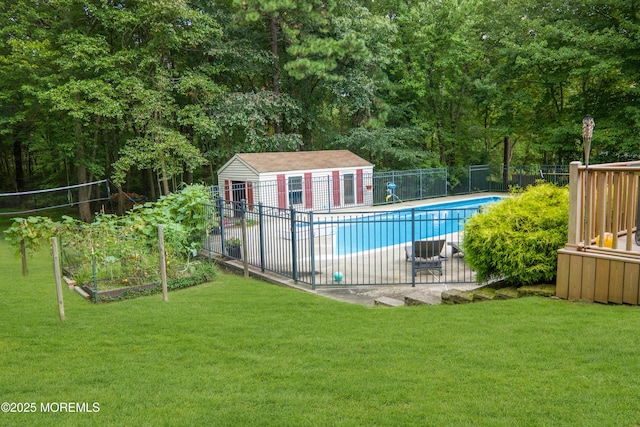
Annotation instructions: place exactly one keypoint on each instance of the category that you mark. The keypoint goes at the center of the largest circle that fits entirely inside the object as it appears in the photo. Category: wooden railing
(603, 207)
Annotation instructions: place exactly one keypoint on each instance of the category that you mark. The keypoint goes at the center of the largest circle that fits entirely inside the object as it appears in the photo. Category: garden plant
(517, 239)
(119, 252)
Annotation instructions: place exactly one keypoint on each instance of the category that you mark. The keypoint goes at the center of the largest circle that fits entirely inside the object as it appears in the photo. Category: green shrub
(517, 239)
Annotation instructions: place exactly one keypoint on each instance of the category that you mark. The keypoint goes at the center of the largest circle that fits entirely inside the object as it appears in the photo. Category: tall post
(243, 222)
(56, 269)
(23, 253)
(93, 272)
(163, 263)
(313, 252)
(261, 228)
(294, 245)
(576, 203)
(587, 133)
(329, 201)
(221, 214)
(413, 247)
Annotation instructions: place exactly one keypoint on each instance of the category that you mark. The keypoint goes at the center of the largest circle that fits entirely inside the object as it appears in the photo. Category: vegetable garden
(121, 257)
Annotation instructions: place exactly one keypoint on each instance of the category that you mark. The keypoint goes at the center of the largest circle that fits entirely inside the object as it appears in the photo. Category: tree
(435, 74)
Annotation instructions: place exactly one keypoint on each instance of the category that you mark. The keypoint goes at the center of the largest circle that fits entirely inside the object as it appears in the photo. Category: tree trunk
(121, 200)
(506, 161)
(275, 77)
(84, 193)
(19, 169)
(152, 184)
(165, 180)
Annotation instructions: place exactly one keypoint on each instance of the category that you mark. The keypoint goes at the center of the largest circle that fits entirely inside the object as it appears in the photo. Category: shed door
(349, 189)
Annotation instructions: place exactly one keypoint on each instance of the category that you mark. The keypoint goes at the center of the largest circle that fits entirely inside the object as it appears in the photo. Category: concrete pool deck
(428, 288)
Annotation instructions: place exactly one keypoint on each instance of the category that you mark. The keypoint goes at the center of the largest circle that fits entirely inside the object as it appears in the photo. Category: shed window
(295, 190)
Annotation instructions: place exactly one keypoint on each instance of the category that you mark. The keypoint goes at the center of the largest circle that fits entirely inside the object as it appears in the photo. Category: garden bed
(113, 289)
(111, 294)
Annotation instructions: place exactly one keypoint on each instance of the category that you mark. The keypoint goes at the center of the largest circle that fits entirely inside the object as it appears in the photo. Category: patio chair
(426, 255)
(455, 249)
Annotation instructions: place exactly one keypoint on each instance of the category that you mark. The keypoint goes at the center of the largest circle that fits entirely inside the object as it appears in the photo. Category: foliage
(147, 92)
(124, 249)
(517, 238)
(31, 230)
(391, 147)
(232, 242)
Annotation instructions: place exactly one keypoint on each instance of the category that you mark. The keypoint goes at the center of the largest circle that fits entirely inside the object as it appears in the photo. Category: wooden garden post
(163, 264)
(56, 268)
(23, 252)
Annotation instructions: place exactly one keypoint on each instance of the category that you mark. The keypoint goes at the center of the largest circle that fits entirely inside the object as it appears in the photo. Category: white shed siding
(267, 190)
(236, 170)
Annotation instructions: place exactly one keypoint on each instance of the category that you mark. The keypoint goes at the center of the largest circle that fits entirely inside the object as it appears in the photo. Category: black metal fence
(322, 247)
(389, 187)
(354, 248)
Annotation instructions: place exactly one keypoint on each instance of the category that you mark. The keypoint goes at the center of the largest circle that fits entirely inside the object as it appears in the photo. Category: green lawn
(242, 352)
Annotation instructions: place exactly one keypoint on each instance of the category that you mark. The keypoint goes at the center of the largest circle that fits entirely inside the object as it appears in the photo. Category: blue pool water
(405, 225)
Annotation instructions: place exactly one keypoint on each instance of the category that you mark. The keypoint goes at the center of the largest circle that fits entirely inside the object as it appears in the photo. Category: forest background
(150, 92)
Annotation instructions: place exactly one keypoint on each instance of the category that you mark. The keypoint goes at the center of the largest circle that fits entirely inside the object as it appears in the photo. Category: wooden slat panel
(588, 278)
(575, 277)
(615, 224)
(602, 281)
(562, 278)
(630, 288)
(601, 208)
(631, 188)
(616, 281)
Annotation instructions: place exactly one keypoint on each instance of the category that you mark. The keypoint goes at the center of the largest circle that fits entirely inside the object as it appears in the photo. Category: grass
(242, 352)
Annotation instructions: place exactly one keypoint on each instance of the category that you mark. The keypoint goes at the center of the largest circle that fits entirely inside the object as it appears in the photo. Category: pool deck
(379, 267)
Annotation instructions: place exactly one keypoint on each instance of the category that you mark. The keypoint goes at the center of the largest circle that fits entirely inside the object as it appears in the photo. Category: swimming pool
(405, 225)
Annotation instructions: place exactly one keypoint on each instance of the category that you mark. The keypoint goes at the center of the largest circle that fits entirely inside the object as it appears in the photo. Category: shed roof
(302, 160)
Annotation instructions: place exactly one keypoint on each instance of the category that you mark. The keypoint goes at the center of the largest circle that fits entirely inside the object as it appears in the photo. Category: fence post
(261, 228)
(446, 181)
(294, 245)
(521, 172)
(93, 272)
(312, 251)
(413, 247)
(208, 236)
(243, 222)
(220, 204)
(329, 192)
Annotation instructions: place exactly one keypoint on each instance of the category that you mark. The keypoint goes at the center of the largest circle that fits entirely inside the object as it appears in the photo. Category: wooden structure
(601, 261)
(304, 180)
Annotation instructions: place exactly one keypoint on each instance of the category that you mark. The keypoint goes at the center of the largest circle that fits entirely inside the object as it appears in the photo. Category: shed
(304, 180)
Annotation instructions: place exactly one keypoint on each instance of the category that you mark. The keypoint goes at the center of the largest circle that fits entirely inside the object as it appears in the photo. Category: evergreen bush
(517, 239)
